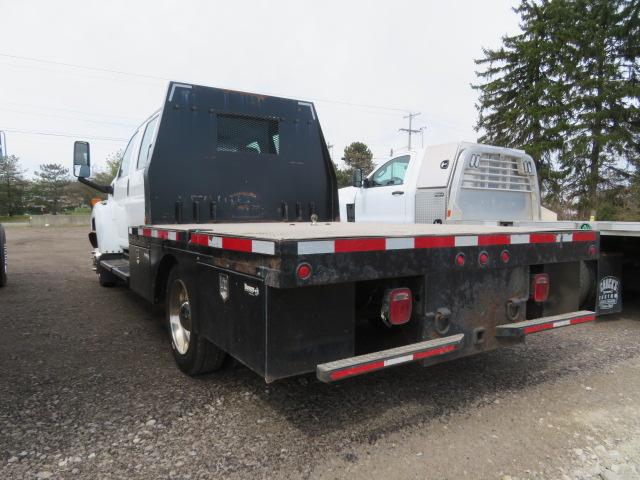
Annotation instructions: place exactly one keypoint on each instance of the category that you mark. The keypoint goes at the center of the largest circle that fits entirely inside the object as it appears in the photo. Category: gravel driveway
(88, 389)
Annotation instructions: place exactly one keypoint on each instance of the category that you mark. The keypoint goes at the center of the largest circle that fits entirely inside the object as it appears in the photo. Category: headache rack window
(246, 134)
(489, 171)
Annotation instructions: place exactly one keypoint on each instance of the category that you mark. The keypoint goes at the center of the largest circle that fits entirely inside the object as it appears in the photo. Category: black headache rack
(223, 156)
(286, 306)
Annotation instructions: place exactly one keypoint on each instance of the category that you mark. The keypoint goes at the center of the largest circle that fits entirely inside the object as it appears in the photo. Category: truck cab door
(121, 189)
(134, 205)
(383, 199)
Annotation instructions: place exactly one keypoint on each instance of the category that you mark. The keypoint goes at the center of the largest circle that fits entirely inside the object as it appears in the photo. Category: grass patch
(14, 219)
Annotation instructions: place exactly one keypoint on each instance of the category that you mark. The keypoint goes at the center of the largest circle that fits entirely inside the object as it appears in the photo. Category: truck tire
(106, 279)
(194, 354)
(3, 258)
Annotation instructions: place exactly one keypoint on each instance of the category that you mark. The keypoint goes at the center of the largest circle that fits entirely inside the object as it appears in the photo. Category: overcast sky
(411, 55)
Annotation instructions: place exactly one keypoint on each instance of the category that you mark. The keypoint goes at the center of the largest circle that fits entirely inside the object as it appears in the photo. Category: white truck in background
(448, 183)
(470, 183)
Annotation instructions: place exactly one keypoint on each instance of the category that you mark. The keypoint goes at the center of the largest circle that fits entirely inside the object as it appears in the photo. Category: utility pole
(409, 130)
(421, 130)
(3, 145)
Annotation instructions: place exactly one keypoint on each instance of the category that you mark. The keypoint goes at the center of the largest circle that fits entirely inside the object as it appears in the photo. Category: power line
(85, 67)
(68, 118)
(82, 112)
(63, 134)
(155, 77)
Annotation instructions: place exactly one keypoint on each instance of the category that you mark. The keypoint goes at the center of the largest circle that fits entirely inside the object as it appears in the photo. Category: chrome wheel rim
(179, 316)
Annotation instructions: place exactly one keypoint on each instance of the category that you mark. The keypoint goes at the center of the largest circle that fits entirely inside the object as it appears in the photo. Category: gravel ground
(88, 389)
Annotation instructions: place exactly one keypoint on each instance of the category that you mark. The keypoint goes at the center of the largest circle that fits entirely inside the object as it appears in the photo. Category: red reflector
(435, 351)
(237, 244)
(304, 271)
(538, 328)
(359, 244)
(397, 306)
(435, 242)
(483, 258)
(586, 318)
(486, 240)
(356, 370)
(200, 239)
(460, 259)
(505, 256)
(584, 236)
(542, 237)
(592, 250)
(540, 287)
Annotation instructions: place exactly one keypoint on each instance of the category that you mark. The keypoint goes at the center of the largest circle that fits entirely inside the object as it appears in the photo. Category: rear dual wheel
(193, 353)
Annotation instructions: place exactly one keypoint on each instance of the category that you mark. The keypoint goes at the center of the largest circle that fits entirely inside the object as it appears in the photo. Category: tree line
(50, 190)
(566, 90)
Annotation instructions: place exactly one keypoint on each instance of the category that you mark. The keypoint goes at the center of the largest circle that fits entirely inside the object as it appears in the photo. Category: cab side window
(391, 173)
(126, 157)
(147, 143)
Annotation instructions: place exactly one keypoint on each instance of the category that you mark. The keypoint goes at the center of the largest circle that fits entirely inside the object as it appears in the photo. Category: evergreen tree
(358, 155)
(52, 179)
(600, 65)
(520, 101)
(12, 186)
(566, 91)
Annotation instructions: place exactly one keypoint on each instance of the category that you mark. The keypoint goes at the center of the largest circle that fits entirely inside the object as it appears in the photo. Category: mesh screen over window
(244, 134)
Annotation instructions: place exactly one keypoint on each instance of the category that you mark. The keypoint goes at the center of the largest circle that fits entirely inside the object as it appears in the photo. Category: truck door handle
(397, 192)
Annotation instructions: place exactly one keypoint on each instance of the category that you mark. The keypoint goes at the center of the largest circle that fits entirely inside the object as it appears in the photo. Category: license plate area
(474, 303)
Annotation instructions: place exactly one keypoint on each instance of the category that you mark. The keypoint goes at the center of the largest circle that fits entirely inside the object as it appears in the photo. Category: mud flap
(609, 285)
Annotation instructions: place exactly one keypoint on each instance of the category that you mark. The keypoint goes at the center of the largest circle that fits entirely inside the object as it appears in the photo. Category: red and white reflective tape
(161, 233)
(312, 247)
(234, 243)
(559, 323)
(380, 364)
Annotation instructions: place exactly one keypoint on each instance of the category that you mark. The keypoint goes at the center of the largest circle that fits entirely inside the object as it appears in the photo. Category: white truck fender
(346, 195)
(102, 222)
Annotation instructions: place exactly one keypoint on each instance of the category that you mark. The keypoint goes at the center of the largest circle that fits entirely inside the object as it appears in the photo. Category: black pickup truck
(239, 237)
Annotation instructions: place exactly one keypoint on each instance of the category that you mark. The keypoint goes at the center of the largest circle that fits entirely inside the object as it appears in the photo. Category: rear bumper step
(520, 329)
(350, 367)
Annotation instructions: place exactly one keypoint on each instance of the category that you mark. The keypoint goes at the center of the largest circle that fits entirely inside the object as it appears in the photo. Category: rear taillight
(540, 287)
(303, 271)
(397, 306)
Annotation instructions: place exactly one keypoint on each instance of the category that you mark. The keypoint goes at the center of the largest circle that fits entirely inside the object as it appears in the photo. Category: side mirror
(81, 160)
(356, 180)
